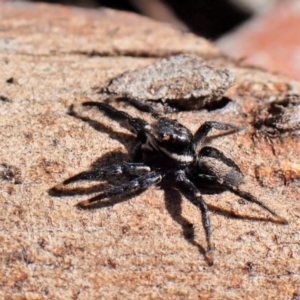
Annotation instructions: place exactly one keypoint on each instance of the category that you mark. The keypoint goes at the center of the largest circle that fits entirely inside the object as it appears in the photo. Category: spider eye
(166, 137)
(169, 137)
(177, 142)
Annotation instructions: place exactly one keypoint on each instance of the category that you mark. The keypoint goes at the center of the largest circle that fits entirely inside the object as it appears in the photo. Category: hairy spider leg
(135, 185)
(197, 199)
(205, 128)
(248, 197)
(215, 153)
(135, 169)
(137, 124)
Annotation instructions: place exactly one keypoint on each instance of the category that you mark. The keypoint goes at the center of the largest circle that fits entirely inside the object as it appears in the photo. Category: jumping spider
(168, 150)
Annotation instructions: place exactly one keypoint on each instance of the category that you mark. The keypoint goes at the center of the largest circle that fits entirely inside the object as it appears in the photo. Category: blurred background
(265, 33)
(208, 18)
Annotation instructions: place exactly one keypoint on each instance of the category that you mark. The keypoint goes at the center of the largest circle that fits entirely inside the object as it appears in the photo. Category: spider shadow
(123, 138)
(110, 202)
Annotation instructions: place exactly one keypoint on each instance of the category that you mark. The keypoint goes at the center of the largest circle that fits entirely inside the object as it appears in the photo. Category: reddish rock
(270, 40)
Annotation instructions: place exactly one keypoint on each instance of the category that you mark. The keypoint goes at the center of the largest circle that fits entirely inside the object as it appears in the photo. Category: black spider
(168, 150)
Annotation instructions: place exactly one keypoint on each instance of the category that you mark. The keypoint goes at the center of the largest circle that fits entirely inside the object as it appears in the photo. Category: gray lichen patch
(281, 115)
(183, 80)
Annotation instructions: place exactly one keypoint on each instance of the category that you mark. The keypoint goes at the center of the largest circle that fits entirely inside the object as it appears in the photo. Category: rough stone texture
(51, 57)
(182, 80)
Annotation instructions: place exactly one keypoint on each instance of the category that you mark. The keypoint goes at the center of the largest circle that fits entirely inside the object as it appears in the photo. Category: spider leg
(143, 107)
(252, 199)
(137, 153)
(135, 124)
(197, 199)
(205, 128)
(215, 153)
(134, 185)
(135, 169)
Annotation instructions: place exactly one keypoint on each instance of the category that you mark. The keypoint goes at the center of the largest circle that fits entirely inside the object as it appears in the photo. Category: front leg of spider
(136, 125)
(206, 127)
(134, 169)
(196, 198)
(135, 185)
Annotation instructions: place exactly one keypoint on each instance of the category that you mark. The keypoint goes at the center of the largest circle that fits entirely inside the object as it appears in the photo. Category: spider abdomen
(227, 175)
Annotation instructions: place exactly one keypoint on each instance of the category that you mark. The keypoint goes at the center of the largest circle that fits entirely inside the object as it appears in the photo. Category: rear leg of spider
(250, 198)
(135, 185)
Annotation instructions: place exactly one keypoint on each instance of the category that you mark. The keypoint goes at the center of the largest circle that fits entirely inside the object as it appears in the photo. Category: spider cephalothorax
(167, 149)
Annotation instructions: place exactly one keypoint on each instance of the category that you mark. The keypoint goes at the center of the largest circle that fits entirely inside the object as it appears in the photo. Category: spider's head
(172, 140)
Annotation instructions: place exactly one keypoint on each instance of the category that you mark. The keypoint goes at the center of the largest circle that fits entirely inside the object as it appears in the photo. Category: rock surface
(151, 245)
(183, 81)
